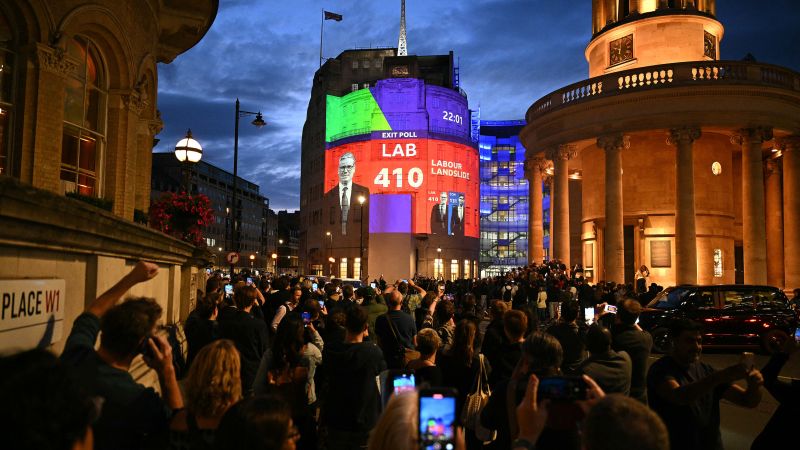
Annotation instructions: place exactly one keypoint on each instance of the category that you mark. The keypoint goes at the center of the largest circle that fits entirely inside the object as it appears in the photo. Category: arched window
(85, 106)
(6, 94)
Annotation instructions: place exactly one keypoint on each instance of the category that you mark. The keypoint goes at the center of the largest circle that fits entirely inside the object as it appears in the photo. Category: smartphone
(306, 317)
(228, 289)
(403, 382)
(437, 416)
(748, 359)
(562, 388)
(249, 281)
(314, 286)
(589, 314)
(404, 281)
(372, 285)
(321, 303)
(144, 347)
(611, 309)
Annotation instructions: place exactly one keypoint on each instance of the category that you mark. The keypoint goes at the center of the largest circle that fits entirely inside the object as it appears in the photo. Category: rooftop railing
(693, 73)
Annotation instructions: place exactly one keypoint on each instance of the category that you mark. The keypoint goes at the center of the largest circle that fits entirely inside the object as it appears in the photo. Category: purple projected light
(390, 213)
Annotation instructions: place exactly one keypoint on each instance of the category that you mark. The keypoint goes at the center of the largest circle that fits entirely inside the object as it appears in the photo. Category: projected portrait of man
(439, 215)
(346, 194)
(457, 217)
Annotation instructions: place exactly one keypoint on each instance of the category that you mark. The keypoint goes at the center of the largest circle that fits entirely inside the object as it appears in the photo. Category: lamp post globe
(188, 151)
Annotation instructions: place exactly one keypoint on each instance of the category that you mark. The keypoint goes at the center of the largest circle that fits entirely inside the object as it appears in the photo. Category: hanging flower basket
(183, 216)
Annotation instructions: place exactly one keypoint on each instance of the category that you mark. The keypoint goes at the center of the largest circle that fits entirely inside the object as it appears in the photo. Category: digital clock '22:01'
(449, 116)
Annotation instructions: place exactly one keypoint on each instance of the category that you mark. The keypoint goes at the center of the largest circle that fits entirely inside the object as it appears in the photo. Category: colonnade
(771, 240)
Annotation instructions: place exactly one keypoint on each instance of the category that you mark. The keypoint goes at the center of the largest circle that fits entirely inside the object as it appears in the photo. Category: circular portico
(680, 167)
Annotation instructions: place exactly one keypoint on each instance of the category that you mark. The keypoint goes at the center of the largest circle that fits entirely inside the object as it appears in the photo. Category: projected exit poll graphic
(410, 140)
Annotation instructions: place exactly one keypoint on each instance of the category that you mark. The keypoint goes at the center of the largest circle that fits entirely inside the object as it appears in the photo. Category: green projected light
(355, 113)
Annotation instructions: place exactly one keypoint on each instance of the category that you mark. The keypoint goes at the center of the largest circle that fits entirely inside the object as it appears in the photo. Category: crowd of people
(280, 363)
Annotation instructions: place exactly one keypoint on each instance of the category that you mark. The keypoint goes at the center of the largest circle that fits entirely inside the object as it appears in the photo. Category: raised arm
(672, 392)
(141, 272)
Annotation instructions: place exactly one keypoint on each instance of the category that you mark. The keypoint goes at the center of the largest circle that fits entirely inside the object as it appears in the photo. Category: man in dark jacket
(352, 404)
(629, 338)
(611, 370)
(247, 333)
(571, 337)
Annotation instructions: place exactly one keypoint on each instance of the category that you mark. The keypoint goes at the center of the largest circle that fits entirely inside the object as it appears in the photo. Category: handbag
(408, 354)
(475, 402)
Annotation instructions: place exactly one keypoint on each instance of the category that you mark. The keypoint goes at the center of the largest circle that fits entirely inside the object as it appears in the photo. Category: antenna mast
(401, 45)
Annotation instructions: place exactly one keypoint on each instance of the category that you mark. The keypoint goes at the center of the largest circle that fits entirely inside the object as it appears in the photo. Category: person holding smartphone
(686, 392)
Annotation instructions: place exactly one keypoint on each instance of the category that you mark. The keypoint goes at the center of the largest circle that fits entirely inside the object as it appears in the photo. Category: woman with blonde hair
(212, 386)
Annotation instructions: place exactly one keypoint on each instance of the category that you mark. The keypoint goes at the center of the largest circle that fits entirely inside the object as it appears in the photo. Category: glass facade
(504, 198)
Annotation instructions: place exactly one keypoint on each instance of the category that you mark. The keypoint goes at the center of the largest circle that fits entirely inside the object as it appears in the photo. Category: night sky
(510, 53)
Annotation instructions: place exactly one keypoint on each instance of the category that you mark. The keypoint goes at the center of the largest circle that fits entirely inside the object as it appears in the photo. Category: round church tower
(627, 34)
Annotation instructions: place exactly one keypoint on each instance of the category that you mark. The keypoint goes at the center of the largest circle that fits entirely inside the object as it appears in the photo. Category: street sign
(232, 258)
(31, 312)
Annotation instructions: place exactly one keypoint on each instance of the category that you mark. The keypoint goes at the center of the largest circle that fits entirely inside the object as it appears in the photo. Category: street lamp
(275, 263)
(258, 122)
(361, 200)
(188, 151)
(252, 259)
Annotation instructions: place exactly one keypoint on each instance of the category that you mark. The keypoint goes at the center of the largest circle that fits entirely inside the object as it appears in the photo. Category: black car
(732, 315)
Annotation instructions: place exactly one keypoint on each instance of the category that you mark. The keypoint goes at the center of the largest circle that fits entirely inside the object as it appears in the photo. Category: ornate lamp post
(188, 151)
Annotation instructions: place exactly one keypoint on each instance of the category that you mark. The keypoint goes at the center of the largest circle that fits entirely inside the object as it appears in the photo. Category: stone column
(685, 226)
(614, 241)
(533, 169)
(791, 210)
(754, 232)
(560, 199)
(774, 209)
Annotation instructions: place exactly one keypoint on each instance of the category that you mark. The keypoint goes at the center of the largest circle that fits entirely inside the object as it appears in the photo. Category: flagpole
(321, 25)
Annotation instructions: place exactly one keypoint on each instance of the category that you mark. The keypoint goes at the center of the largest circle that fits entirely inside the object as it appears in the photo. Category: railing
(693, 73)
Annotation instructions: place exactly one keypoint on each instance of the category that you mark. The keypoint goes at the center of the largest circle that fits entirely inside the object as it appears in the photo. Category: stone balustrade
(686, 74)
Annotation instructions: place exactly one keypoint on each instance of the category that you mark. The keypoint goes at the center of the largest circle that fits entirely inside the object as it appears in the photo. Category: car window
(669, 298)
(701, 299)
(768, 299)
(737, 300)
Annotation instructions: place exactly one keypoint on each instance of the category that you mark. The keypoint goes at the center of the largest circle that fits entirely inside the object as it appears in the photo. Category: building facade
(688, 164)
(256, 234)
(78, 91)
(389, 180)
(504, 198)
(288, 247)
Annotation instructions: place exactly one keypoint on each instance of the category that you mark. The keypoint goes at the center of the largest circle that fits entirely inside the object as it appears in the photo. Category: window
(84, 120)
(354, 87)
(454, 269)
(343, 268)
(702, 299)
(466, 269)
(6, 94)
(438, 268)
(355, 64)
(365, 64)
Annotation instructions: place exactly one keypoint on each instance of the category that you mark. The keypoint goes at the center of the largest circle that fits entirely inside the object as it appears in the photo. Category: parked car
(733, 316)
(355, 282)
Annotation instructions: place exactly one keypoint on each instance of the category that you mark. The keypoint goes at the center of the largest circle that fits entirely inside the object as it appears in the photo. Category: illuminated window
(454, 269)
(6, 93)
(717, 262)
(354, 86)
(357, 268)
(355, 65)
(438, 268)
(343, 268)
(84, 119)
(466, 269)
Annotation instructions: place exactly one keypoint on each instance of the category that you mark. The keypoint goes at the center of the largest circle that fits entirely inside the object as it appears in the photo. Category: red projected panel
(440, 176)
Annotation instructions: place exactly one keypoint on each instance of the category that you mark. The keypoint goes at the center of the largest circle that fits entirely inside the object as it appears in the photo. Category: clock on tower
(620, 50)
